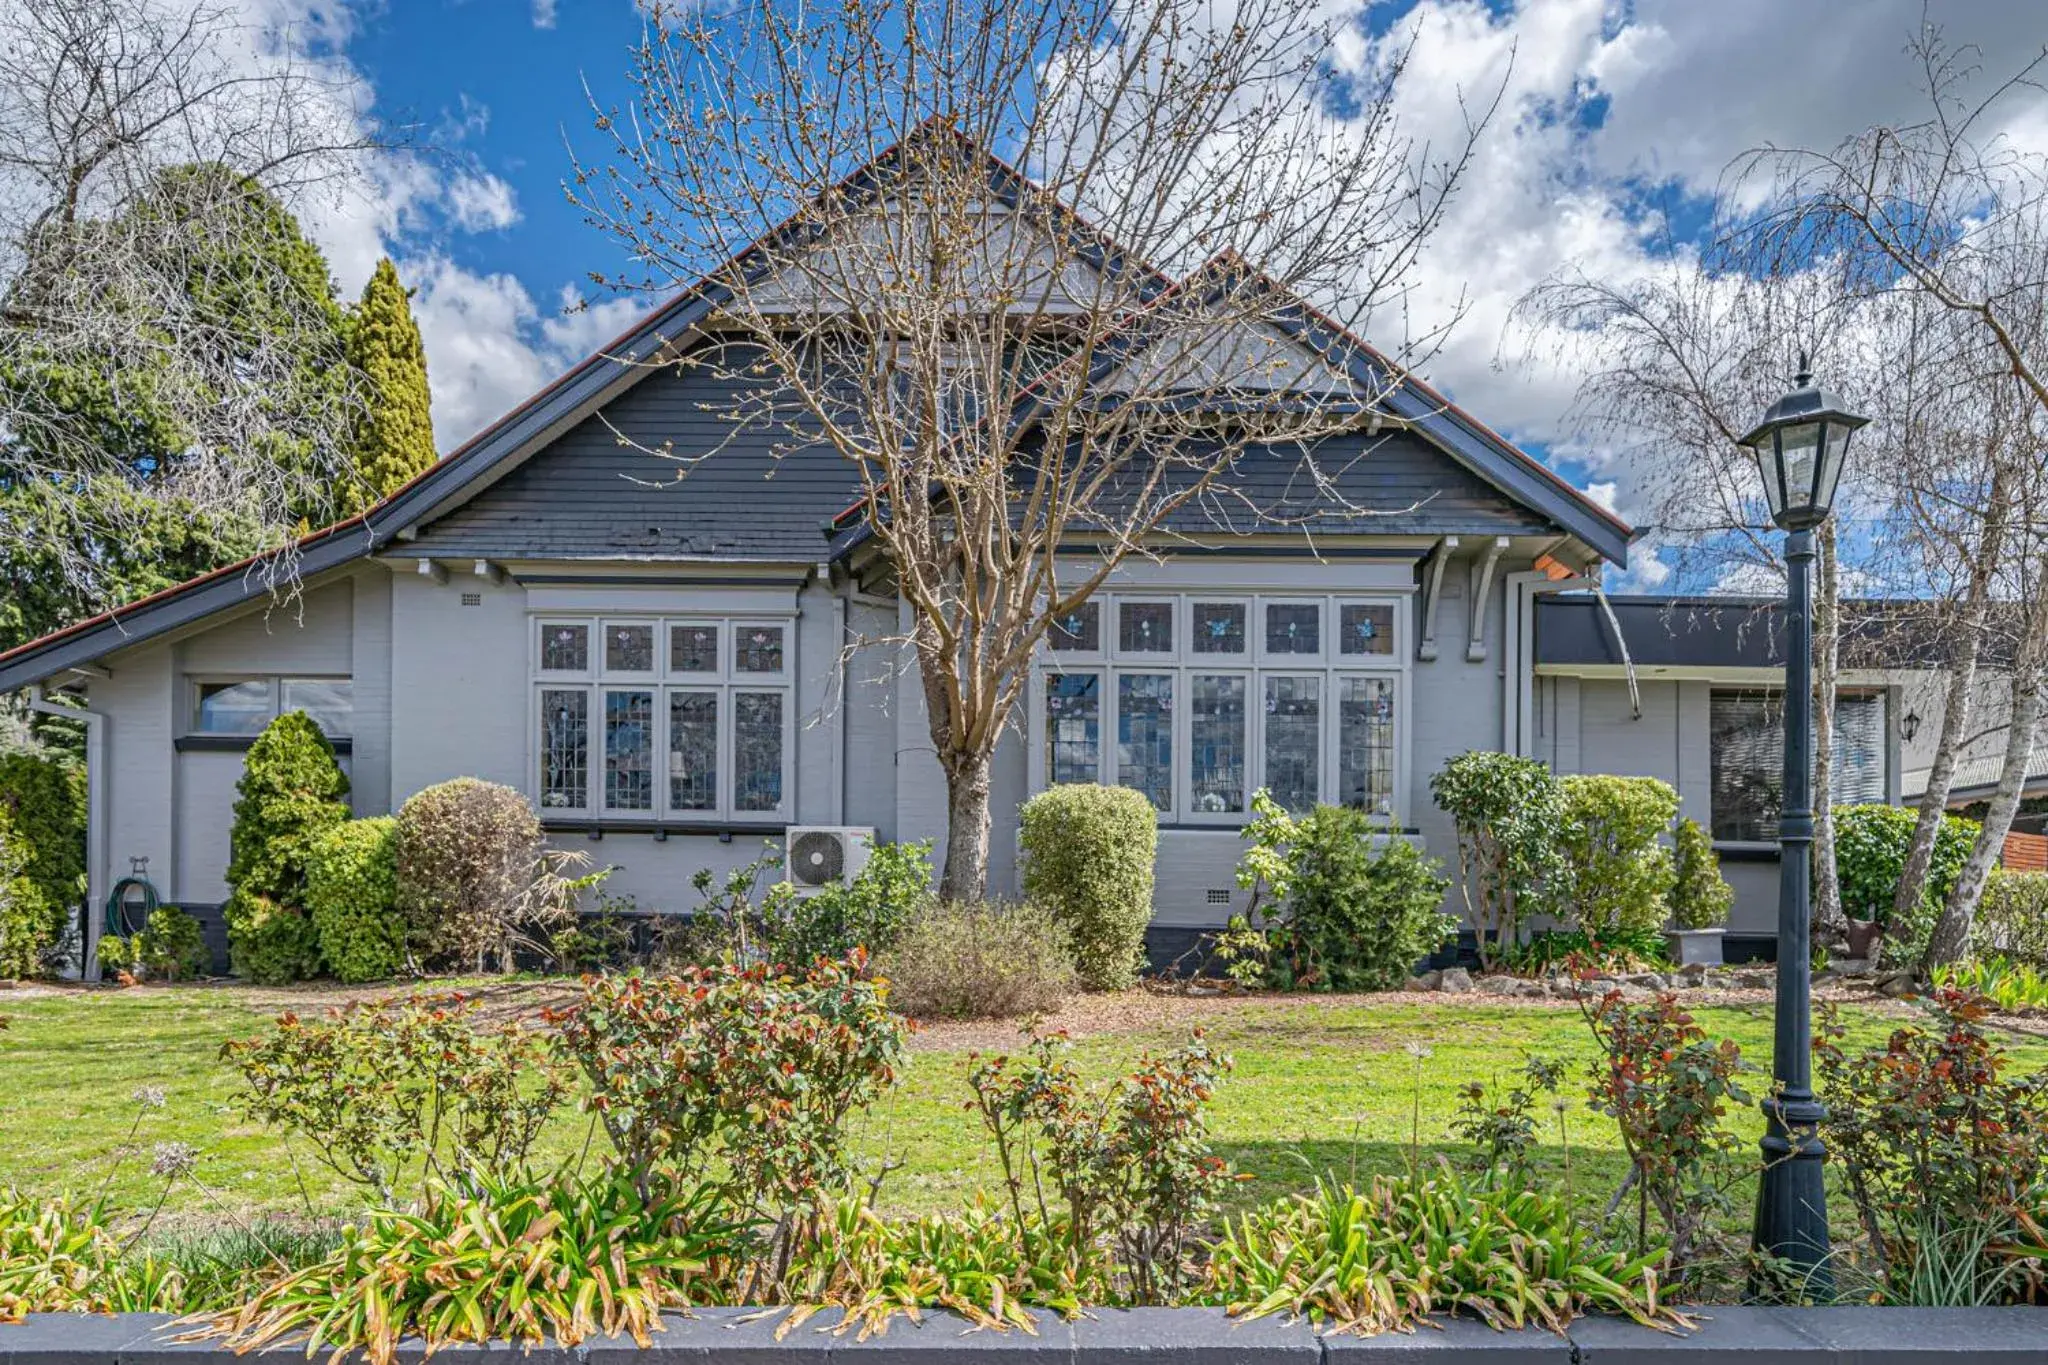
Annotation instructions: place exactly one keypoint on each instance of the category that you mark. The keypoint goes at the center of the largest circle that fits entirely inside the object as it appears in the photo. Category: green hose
(117, 920)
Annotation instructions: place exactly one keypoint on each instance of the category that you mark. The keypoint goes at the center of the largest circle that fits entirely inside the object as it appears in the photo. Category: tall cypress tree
(395, 431)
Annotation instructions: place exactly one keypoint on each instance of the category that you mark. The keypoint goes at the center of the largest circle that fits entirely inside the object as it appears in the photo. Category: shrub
(1338, 914)
(1510, 815)
(1700, 896)
(1504, 1130)
(1668, 1087)
(978, 961)
(467, 857)
(1382, 1258)
(868, 912)
(555, 1260)
(2012, 919)
(1129, 1163)
(292, 791)
(1088, 858)
(352, 895)
(381, 1085)
(756, 1070)
(1935, 1138)
(171, 947)
(1620, 871)
(1871, 843)
(42, 810)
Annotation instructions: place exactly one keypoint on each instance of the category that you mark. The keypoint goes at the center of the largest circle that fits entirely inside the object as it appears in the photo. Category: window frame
(664, 681)
(1254, 665)
(1774, 696)
(274, 685)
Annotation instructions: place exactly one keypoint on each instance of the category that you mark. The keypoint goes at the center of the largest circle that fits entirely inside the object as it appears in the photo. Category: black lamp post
(1799, 445)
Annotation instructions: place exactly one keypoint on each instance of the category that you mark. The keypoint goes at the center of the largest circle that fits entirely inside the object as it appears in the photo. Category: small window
(1218, 628)
(234, 708)
(1078, 631)
(1144, 627)
(1294, 628)
(1365, 628)
(564, 647)
(1073, 727)
(693, 649)
(329, 701)
(757, 649)
(629, 649)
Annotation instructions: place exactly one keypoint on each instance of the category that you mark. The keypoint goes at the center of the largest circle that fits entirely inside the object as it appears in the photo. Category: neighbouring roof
(557, 408)
(1721, 632)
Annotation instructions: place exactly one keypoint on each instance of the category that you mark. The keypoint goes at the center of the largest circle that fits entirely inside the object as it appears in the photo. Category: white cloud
(481, 203)
(543, 13)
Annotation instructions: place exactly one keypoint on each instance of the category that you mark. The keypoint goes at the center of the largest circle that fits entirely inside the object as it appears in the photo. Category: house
(676, 675)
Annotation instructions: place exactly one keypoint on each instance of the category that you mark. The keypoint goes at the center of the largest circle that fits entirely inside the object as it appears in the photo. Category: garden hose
(117, 920)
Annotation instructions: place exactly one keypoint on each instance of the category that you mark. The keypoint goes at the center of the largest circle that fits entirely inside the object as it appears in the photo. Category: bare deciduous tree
(1032, 375)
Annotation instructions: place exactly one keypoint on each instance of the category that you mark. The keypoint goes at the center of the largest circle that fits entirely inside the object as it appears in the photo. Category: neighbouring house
(676, 675)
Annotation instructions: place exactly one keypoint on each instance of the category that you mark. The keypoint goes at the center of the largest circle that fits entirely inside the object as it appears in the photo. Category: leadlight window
(1182, 706)
(1218, 627)
(698, 735)
(1747, 761)
(1144, 627)
(1144, 736)
(1078, 631)
(1294, 729)
(1073, 727)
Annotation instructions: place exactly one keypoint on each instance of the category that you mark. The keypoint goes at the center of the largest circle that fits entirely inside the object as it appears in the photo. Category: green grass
(1320, 1086)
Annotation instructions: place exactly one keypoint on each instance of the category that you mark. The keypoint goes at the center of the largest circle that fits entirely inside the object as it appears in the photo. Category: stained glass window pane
(1365, 744)
(1144, 736)
(1079, 629)
(1216, 744)
(757, 751)
(1218, 628)
(1365, 628)
(1294, 741)
(629, 750)
(693, 649)
(1073, 727)
(629, 649)
(1144, 627)
(757, 649)
(693, 751)
(564, 748)
(1294, 628)
(237, 708)
(564, 647)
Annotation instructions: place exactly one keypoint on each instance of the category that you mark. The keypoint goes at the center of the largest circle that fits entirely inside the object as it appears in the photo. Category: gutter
(95, 820)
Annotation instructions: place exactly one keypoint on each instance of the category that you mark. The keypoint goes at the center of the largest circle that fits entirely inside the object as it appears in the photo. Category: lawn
(1321, 1084)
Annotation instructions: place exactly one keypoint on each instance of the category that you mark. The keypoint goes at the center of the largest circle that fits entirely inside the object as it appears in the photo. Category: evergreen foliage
(42, 810)
(1871, 843)
(1620, 871)
(468, 854)
(1088, 855)
(352, 894)
(1510, 815)
(394, 435)
(1700, 895)
(291, 793)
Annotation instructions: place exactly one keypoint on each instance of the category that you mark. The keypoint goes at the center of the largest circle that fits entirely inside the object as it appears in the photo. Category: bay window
(664, 719)
(1198, 699)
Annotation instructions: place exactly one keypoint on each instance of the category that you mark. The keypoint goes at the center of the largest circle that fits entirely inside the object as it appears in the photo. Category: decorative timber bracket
(1432, 588)
(1482, 589)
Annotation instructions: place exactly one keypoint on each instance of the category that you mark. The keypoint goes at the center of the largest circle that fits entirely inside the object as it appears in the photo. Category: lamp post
(1799, 445)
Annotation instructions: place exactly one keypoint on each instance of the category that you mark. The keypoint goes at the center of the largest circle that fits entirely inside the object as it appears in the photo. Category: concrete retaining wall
(1177, 1336)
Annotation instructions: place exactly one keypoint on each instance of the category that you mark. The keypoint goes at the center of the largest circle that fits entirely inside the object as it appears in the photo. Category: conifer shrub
(1621, 873)
(352, 895)
(291, 793)
(1088, 859)
(468, 853)
(1700, 895)
(42, 807)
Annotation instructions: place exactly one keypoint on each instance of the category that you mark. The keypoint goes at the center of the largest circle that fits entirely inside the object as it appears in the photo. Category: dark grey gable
(590, 494)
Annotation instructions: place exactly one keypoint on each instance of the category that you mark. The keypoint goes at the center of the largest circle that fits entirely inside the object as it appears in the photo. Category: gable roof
(621, 363)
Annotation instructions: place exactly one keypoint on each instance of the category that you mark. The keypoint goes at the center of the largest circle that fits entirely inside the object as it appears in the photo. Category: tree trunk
(1952, 931)
(966, 875)
(1829, 925)
(1960, 702)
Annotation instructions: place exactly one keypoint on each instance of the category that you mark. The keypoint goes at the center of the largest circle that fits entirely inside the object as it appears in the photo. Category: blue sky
(1619, 119)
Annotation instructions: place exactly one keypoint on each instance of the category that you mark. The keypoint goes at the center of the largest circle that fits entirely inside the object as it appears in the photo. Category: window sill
(1746, 850)
(726, 830)
(235, 744)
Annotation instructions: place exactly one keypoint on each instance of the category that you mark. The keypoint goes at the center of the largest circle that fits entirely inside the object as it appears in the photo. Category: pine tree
(395, 431)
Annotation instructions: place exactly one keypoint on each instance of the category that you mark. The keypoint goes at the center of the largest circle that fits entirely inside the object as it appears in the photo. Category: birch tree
(1037, 367)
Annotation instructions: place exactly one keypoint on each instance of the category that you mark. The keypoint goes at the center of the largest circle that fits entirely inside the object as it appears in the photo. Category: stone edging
(1171, 1336)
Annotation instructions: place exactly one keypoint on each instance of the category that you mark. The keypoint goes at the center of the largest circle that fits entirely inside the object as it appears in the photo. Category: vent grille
(472, 599)
(1219, 895)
